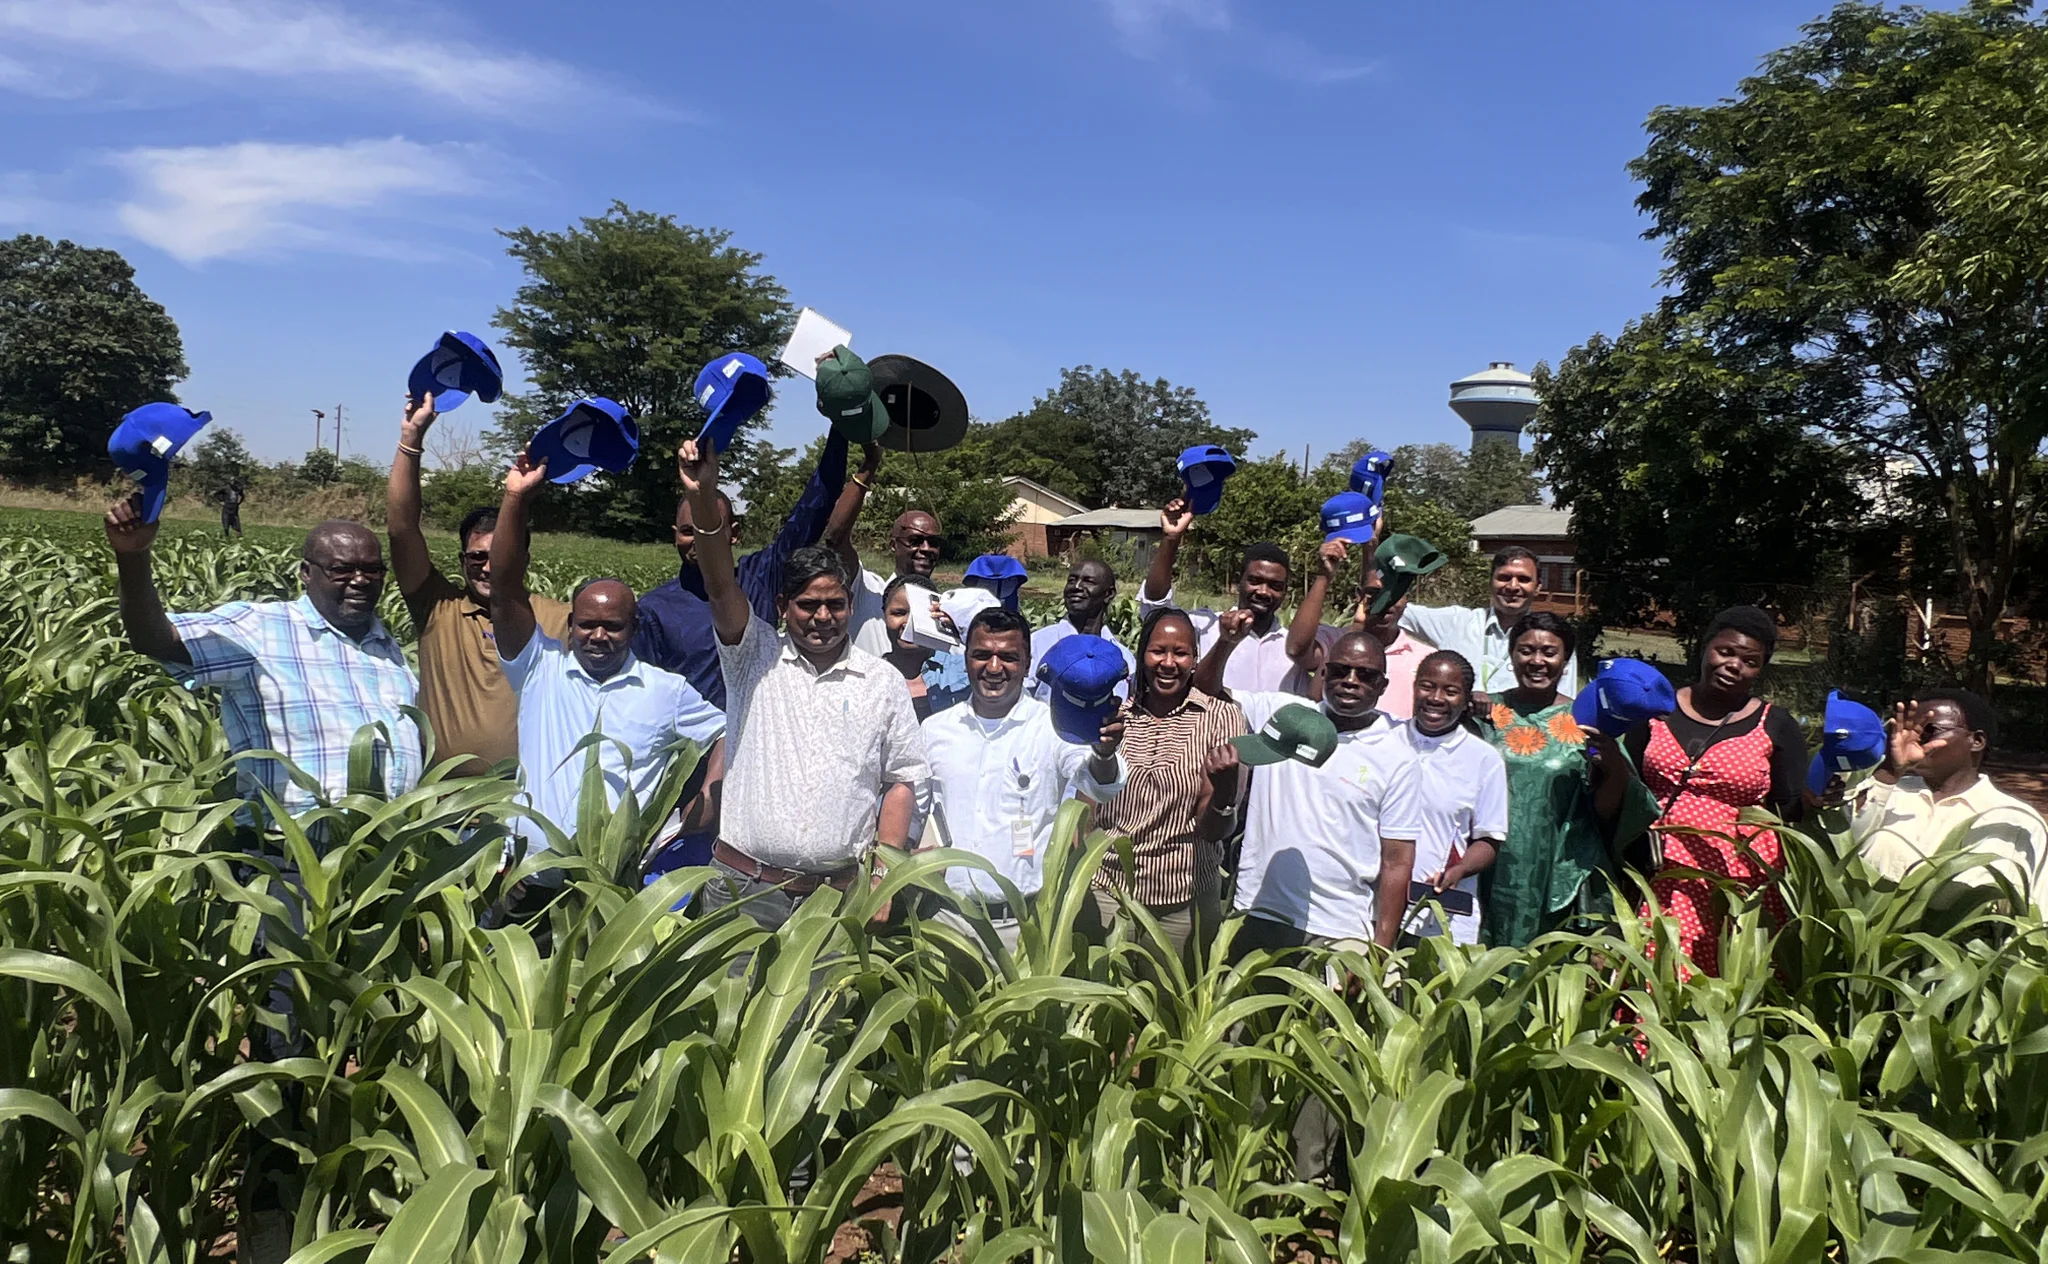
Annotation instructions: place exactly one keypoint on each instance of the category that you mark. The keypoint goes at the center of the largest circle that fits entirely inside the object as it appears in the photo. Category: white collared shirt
(1900, 827)
(1052, 634)
(1311, 854)
(809, 753)
(999, 783)
(1463, 785)
(640, 709)
(1477, 634)
(1258, 664)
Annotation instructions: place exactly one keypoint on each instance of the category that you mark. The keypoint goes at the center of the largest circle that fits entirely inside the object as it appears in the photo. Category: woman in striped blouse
(1170, 808)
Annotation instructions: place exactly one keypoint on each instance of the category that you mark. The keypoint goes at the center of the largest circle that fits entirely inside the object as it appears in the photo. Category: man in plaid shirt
(297, 677)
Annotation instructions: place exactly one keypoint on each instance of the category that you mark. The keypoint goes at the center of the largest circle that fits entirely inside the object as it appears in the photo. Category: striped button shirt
(291, 682)
(1160, 806)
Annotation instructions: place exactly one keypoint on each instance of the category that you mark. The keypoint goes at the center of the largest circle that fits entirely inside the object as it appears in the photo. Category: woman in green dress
(1571, 792)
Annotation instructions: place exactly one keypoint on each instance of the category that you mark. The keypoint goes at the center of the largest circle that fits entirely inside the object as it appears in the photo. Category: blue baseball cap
(1081, 674)
(1852, 738)
(1000, 573)
(1622, 694)
(595, 434)
(1202, 471)
(144, 443)
(1369, 473)
(730, 390)
(1349, 516)
(459, 366)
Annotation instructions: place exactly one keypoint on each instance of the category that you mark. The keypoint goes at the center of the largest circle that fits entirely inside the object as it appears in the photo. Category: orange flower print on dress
(1566, 729)
(1523, 739)
(1503, 715)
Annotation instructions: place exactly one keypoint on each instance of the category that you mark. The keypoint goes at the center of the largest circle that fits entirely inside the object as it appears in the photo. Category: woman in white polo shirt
(1463, 784)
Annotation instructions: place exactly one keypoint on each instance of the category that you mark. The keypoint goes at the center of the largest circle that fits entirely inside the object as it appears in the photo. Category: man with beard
(675, 631)
(1265, 663)
(1000, 772)
(1404, 651)
(589, 683)
(914, 542)
(1328, 849)
(823, 756)
(1481, 634)
(464, 694)
(1091, 586)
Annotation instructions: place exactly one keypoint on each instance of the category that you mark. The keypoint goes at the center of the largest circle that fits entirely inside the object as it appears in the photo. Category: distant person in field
(823, 757)
(231, 510)
(1931, 800)
(297, 677)
(1090, 588)
(1266, 661)
(587, 682)
(1481, 633)
(465, 696)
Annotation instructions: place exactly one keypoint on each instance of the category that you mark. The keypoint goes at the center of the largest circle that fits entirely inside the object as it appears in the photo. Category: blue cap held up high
(1852, 738)
(594, 434)
(730, 390)
(459, 366)
(1202, 471)
(144, 443)
(1081, 674)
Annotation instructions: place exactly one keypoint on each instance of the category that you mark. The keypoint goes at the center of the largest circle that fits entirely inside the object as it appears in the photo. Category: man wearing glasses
(473, 710)
(914, 540)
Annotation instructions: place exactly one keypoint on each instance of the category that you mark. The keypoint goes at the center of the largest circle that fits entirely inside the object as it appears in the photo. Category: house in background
(1132, 532)
(1547, 533)
(1034, 510)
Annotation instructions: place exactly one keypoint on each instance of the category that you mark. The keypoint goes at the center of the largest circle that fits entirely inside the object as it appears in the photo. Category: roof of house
(1524, 520)
(1062, 499)
(1120, 519)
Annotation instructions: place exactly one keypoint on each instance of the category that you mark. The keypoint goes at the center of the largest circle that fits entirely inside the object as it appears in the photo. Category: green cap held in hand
(846, 395)
(1402, 559)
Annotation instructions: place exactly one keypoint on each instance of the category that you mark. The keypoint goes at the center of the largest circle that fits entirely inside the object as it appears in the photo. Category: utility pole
(318, 418)
(337, 432)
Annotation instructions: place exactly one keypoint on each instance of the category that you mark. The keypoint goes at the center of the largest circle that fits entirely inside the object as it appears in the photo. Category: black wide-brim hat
(927, 413)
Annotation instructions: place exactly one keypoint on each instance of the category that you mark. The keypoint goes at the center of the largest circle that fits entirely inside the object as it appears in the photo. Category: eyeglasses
(341, 572)
(920, 541)
(1345, 671)
(477, 557)
(1935, 732)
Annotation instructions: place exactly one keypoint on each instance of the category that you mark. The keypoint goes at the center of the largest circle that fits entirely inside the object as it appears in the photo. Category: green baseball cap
(1296, 731)
(846, 395)
(1402, 559)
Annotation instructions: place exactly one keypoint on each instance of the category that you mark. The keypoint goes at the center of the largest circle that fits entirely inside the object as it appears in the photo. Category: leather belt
(797, 882)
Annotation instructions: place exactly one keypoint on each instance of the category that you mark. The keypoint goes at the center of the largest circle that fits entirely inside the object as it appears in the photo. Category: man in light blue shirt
(1481, 634)
(1091, 586)
(592, 683)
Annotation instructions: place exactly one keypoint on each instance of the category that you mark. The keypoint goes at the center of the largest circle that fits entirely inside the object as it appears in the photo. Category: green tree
(218, 461)
(1470, 484)
(1692, 486)
(80, 344)
(1108, 438)
(631, 305)
(321, 468)
(1868, 218)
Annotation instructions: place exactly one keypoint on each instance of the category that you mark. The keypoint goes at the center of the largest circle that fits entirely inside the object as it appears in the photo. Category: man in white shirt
(1481, 634)
(1264, 662)
(592, 683)
(1930, 800)
(1000, 772)
(1091, 586)
(1329, 849)
(823, 757)
(914, 542)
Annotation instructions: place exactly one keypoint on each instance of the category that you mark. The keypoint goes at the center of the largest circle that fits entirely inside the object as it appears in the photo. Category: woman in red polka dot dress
(1723, 750)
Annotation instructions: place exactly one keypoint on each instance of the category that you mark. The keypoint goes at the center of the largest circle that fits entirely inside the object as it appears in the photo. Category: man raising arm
(1481, 633)
(1265, 662)
(823, 752)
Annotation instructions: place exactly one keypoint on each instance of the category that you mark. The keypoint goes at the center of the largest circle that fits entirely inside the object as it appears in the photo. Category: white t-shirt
(865, 627)
(1311, 854)
(1260, 660)
(1463, 784)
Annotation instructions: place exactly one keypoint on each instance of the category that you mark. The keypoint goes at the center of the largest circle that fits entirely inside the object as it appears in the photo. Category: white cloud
(257, 200)
(309, 47)
(1177, 32)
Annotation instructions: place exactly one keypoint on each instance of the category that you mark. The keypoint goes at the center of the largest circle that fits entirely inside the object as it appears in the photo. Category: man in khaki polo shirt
(462, 689)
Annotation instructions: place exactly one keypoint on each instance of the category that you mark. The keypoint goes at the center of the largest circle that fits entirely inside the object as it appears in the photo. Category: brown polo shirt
(462, 689)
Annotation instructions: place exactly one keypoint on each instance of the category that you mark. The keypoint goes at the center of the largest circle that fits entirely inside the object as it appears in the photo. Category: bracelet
(713, 530)
(410, 451)
(864, 486)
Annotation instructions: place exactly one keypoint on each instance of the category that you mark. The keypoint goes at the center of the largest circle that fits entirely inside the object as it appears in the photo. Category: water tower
(1496, 402)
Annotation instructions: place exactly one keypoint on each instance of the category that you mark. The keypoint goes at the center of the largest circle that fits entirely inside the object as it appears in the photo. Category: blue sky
(1317, 214)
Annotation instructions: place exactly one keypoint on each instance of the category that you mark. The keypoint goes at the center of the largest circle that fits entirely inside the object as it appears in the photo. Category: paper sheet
(812, 337)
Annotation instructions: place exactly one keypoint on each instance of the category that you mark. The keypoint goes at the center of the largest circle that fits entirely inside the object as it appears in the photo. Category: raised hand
(419, 416)
(1331, 557)
(1221, 763)
(696, 466)
(1233, 624)
(1176, 517)
(126, 531)
(526, 475)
